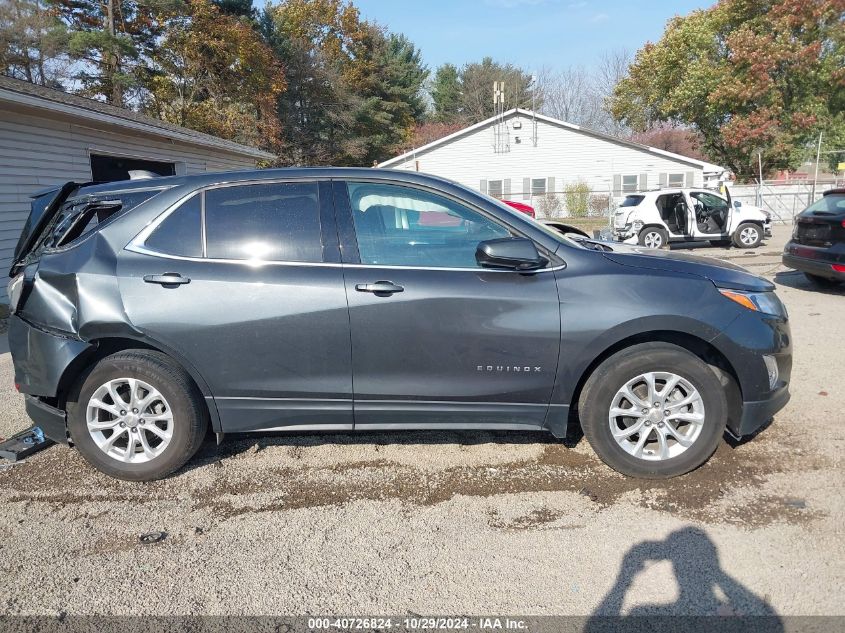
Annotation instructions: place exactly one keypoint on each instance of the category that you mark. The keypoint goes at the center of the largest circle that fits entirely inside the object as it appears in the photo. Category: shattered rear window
(81, 215)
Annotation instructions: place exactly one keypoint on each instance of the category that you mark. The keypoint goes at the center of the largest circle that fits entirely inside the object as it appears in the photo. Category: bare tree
(612, 68)
(583, 98)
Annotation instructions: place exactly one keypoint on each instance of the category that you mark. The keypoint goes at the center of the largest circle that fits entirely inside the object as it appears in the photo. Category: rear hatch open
(62, 215)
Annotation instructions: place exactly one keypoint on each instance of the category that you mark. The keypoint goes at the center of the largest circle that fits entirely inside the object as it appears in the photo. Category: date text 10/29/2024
(417, 623)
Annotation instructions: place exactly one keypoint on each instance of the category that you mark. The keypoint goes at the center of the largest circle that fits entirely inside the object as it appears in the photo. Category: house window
(494, 189)
(538, 186)
(676, 180)
(629, 183)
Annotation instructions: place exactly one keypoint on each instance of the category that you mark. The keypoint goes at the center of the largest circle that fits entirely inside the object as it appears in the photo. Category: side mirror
(737, 204)
(512, 253)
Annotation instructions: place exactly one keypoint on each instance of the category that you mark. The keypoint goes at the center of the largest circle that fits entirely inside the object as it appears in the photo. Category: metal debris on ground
(24, 444)
(152, 537)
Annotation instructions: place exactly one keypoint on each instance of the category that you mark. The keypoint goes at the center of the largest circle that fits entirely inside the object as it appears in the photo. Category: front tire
(653, 237)
(748, 235)
(640, 429)
(137, 416)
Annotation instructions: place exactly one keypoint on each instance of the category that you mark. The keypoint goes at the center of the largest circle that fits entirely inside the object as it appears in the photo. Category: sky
(529, 33)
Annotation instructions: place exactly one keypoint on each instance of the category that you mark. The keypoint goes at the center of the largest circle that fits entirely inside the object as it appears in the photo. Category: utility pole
(816, 176)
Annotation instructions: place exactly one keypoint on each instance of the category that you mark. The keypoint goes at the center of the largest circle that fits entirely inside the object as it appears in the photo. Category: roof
(33, 95)
(705, 166)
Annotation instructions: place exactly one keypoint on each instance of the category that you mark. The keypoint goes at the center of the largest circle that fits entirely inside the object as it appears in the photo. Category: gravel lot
(445, 523)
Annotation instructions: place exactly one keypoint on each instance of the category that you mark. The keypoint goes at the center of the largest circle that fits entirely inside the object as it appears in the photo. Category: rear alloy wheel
(748, 235)
(654, 410)
(653, 237)
(137, 416)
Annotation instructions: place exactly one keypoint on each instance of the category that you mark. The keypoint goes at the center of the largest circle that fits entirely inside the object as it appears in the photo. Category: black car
(365, 299)
(817, 247)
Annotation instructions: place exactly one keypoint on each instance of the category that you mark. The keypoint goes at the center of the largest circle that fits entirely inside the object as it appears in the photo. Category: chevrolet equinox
(344, 299)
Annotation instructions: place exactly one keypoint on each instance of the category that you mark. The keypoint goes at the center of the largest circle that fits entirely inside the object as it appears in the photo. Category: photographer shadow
(699, 606)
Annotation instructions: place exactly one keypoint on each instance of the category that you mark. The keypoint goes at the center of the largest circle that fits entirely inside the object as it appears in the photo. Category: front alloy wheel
(656, 416)
(654, 410)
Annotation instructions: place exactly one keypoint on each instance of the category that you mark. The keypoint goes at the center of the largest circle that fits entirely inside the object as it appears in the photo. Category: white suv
(655, 218)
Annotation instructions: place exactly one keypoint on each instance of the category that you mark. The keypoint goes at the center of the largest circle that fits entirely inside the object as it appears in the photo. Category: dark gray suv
(363, 299)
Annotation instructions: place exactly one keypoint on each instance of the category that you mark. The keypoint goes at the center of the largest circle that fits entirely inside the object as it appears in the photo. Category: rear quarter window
(632, 201)
(81, 215)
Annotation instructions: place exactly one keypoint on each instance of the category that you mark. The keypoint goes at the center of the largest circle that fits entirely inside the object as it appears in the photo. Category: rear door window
(180, 233)
(264, 222)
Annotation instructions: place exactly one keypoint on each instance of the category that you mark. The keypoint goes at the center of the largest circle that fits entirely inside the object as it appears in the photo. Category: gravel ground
(445, 523)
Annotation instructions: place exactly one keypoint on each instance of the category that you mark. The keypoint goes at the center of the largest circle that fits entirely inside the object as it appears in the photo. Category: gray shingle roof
(48, 98)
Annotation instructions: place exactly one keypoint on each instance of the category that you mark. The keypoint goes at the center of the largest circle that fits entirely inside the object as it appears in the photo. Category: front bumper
(757, 412)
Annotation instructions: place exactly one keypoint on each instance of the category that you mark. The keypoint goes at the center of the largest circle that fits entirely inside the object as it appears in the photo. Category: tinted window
(401, 226)
(631, 201)
(180, 233)
(831, 203)
(271, 222)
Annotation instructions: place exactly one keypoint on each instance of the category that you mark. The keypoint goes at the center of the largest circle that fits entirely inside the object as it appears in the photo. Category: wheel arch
(105, 346)
(698, 346)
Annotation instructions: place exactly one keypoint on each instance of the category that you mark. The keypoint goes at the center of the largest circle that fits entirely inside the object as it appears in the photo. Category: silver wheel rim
(653, 239)
(129, 420)
(656, 416)
(748, 236)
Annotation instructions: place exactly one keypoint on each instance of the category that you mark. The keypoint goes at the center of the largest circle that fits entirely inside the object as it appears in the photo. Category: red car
(521, 207)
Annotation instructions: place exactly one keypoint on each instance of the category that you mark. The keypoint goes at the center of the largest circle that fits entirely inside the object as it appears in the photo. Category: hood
(721, 273)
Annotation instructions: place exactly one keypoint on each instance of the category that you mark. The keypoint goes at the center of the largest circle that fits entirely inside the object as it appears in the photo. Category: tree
(112, 42)
(354, 90)
(33, 42)
(570, 95)
(446, 94)
(213, 73)
(749, 76)
(477, 88)
(671, 138)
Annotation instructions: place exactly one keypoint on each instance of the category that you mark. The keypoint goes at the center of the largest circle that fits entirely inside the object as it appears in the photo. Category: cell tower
(501, 136)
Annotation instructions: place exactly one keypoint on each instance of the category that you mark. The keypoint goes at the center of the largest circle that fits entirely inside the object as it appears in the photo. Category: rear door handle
(380, 288)
(167, 279)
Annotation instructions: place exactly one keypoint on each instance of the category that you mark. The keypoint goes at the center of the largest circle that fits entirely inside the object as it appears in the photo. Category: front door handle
(380, 288)
(167, 279)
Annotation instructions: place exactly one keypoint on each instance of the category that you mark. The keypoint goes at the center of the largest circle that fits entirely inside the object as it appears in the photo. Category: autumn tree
(749, 76)
(353, 89)
(33, 42)
(213, 73)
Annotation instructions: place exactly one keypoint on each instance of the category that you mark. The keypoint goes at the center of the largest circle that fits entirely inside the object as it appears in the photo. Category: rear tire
(822, 282)
(748, 235)
(653, 237)
(137, 416)
(661, 438)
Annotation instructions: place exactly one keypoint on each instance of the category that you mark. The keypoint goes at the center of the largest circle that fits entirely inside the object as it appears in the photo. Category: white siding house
(524, 156)
(49, 137)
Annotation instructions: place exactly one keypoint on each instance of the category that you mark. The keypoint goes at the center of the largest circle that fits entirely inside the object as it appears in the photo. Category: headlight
(14, 290)
(765, 302)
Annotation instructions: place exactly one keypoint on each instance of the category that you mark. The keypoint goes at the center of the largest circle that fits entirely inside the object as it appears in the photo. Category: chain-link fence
(784, 200)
